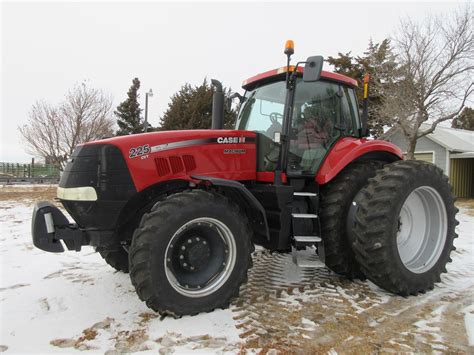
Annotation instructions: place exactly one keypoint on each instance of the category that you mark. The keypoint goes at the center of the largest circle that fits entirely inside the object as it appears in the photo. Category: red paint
(324, 74)
(209, 158)
(269, 176)
(347, 150)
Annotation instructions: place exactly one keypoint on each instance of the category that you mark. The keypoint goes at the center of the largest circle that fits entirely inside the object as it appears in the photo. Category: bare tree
(54, 132)
(434, 83)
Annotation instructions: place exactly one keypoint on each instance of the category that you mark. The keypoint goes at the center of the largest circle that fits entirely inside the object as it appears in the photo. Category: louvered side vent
(189, 163)
(162, 166)
(176, 164)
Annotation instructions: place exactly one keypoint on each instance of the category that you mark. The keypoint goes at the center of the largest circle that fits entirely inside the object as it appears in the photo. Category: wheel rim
(422, 229)
(200, 257)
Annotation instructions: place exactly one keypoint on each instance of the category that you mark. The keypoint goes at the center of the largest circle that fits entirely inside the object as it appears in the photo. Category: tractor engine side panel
(162, 156)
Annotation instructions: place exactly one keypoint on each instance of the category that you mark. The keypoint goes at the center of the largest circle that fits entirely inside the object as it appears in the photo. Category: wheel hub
(422, 228)
(200, 257)
(405, 224)
(195, 255)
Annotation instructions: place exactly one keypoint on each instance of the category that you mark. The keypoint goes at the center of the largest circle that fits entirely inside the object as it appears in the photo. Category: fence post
(32, 166)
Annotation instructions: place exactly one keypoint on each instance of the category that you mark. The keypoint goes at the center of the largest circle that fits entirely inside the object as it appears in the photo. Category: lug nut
(181, 257)
(204, 242)
(183, 247)
(189, 241)
(192, 267)
(197, 239)
(184, 264)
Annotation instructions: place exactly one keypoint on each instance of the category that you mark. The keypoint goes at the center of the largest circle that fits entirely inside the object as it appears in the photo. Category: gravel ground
(74, 302)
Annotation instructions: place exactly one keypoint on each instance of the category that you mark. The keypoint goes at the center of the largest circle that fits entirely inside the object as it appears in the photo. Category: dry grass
(28, 193)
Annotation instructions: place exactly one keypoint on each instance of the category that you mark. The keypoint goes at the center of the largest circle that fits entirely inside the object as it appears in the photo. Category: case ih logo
(230, 140)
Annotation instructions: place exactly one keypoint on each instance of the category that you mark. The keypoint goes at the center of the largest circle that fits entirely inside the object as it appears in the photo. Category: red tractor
(182, 210)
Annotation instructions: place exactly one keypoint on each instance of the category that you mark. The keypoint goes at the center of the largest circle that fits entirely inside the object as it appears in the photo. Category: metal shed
(450, 149)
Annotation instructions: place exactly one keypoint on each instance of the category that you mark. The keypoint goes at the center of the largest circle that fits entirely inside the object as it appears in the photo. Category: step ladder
(303, 247)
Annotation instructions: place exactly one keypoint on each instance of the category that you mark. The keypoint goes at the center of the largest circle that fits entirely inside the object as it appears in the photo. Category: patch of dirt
(284, 308)
(87, 335)
(63, 343)
(146, 317)
(130, 341)
(205, 341)
(30, 193)
(468, 204)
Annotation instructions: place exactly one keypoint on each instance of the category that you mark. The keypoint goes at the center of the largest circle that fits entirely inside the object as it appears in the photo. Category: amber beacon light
(289, 47)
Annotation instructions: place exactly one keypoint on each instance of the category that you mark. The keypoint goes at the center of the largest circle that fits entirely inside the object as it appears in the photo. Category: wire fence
(36, 170)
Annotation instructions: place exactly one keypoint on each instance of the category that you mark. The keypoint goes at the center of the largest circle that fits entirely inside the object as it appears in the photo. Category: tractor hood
(154, 142)
(162, 156)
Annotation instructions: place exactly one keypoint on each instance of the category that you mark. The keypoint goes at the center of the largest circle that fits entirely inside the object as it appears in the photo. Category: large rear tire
(190, 254)
(336, 199)
(405, 227)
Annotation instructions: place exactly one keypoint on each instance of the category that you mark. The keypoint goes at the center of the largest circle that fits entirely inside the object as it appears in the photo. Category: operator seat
(312, 137)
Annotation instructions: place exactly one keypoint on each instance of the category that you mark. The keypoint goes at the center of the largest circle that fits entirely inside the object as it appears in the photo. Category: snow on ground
(73, 302)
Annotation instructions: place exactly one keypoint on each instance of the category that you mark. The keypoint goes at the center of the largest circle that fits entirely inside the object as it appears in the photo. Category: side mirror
(230, 99)
(313, 68)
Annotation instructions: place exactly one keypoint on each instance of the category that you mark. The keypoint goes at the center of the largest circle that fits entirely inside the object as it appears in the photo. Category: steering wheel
(274, 116)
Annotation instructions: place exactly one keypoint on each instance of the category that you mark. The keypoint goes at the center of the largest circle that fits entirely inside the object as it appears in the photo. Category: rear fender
(349, 149)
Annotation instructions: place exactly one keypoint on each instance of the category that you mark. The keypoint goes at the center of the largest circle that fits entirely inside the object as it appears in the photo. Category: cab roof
(275, 74)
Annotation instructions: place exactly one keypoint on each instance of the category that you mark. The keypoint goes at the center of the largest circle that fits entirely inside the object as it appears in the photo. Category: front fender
(249, 203)
(348, 149)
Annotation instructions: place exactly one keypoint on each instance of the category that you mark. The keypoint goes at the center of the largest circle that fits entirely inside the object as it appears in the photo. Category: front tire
(118, 259)
(405, 227)
(190, 254)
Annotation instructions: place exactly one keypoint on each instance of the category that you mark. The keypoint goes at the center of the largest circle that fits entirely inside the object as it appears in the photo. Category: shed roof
(453, 139)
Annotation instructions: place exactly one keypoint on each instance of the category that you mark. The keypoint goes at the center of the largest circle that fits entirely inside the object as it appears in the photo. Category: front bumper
(49, 226)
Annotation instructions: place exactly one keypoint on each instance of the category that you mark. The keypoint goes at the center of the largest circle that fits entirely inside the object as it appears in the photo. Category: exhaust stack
(217, 105)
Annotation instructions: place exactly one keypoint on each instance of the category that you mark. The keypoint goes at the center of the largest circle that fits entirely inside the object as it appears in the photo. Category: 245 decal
(139, 151)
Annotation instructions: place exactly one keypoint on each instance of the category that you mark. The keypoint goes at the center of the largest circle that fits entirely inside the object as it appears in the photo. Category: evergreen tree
(191, 108)
(348, 65)
(129, 112)
(379, 62)
(465, 120)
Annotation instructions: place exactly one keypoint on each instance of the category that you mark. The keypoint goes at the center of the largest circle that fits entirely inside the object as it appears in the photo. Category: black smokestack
(217, 105)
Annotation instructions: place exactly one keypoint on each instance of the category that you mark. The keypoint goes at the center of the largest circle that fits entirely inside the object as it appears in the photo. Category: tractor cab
(322, 112)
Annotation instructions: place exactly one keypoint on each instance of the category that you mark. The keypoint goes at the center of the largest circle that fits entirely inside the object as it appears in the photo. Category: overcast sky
(48, 47)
